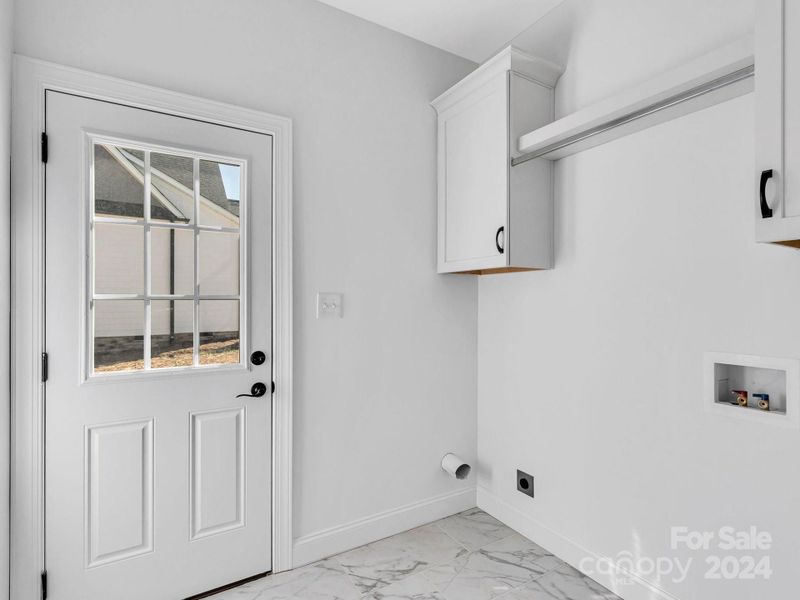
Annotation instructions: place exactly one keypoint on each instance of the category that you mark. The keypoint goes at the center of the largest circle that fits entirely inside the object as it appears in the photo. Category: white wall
(590, 375)
(610, 45)
(5, 116)
(383, 394)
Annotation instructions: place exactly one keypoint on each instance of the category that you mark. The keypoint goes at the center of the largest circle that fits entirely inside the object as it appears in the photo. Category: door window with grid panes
(166, 260)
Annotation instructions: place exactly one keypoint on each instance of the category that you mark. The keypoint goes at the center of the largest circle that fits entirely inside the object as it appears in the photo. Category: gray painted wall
(384, 393)
(591, 376)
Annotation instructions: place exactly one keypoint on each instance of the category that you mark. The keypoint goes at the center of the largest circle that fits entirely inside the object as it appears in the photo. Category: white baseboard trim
(316, 546)
(623, 583)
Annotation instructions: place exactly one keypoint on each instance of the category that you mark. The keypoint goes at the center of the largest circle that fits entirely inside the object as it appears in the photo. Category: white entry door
(158, 302)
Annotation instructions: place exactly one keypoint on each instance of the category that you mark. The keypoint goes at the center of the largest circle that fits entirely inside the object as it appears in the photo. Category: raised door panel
(119, 494)
(476, 176)
(217, 471)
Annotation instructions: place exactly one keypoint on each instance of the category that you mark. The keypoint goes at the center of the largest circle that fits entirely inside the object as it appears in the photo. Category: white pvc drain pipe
(455, 466)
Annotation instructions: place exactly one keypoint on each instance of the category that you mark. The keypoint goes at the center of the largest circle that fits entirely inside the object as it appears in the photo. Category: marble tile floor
(469, 556)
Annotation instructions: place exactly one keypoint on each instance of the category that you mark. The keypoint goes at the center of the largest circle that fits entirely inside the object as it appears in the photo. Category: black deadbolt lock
(258, 358)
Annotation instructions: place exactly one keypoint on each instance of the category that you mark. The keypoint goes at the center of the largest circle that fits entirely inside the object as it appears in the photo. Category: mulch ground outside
(213, 353)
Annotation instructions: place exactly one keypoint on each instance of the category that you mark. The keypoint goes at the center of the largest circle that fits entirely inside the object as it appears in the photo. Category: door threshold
(229, 586)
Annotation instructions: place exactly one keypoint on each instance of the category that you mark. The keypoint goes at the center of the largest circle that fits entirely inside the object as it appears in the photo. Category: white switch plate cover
(329, 305)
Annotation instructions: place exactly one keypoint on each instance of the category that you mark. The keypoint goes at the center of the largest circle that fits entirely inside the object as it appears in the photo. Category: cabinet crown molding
(510, 58)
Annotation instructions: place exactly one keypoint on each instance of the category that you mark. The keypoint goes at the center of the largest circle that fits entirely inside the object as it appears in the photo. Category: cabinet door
(777, 193)
(473, 179)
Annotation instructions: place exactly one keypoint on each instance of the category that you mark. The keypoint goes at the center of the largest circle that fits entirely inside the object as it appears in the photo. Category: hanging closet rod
(695, 92)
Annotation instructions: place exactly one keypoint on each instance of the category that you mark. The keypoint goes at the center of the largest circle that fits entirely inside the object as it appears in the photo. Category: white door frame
(31, 79)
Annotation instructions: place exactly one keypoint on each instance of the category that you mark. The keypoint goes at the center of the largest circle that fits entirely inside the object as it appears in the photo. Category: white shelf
(737, 58)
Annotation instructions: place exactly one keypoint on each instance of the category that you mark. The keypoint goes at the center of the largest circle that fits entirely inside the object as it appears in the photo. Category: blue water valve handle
(763, 401)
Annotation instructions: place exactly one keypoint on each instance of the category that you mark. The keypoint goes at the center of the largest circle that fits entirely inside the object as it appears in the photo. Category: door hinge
(44, 585)
(44, 148)
(273, 387)
(45, 366)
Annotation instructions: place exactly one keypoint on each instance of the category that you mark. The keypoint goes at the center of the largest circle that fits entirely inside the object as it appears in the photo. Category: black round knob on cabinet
(258, 358)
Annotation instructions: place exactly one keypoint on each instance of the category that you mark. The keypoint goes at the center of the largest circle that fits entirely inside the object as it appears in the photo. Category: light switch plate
(329, 305)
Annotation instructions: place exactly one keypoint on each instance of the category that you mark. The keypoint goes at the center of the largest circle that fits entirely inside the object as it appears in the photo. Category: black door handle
(766, 211)
(500, 249)
(258, 390)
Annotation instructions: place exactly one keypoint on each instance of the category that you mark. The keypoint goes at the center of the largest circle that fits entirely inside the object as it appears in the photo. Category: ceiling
(474, 29)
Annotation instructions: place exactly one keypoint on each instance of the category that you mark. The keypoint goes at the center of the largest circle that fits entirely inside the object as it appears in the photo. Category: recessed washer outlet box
(759, 389)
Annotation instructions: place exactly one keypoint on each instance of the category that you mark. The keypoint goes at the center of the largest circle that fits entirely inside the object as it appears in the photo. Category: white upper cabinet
(777, 193)
(493, 217)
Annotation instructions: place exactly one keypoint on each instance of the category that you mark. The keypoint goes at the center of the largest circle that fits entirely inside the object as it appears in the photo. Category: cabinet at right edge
(777, 186)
